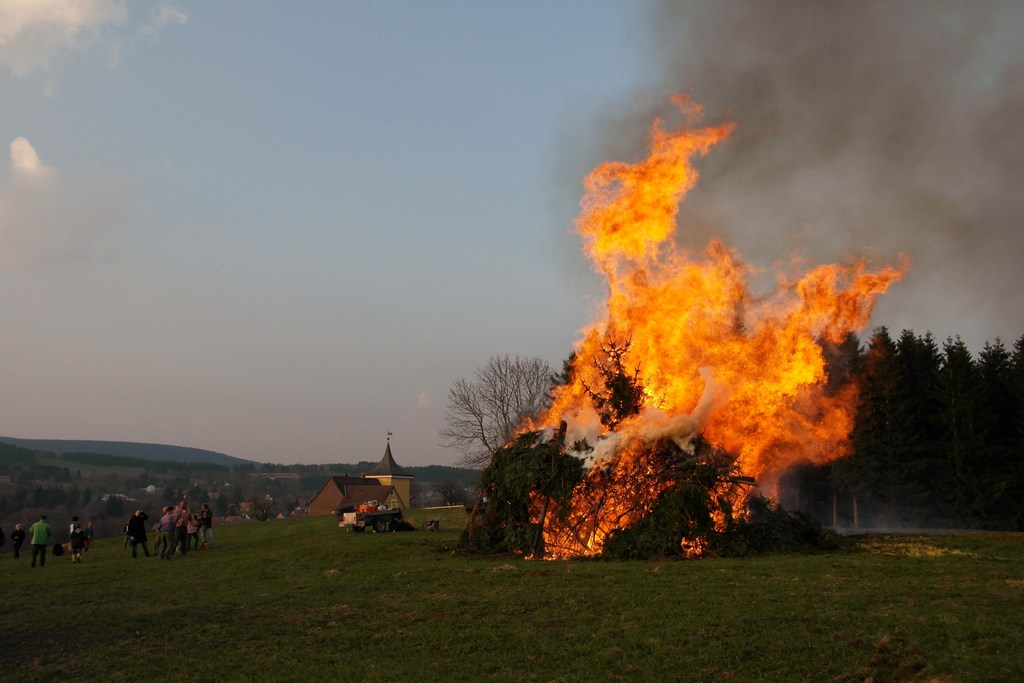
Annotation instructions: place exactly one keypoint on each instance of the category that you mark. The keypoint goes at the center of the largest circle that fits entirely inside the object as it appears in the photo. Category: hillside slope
(125, 449)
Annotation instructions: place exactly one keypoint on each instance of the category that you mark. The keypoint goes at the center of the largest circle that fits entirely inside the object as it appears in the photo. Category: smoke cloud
(871, 128)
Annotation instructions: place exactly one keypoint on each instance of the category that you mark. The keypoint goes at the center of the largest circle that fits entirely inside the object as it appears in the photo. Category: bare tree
(450, 491)
(483, 415)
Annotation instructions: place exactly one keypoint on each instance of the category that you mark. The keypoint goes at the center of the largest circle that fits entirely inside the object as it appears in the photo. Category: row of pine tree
(938, 439)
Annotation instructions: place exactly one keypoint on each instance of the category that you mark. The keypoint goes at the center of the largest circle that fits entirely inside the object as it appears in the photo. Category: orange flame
(746, 371)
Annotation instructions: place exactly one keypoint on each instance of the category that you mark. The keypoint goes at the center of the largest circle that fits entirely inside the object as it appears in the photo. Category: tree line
(938, 439)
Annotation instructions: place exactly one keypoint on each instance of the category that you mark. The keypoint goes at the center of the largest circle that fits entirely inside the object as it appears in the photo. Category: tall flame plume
(745, 371)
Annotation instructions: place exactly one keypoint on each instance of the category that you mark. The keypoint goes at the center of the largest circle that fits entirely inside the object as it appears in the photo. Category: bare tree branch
(482, 416)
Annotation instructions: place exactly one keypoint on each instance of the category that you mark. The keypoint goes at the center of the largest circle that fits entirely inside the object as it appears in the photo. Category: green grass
(300, 599)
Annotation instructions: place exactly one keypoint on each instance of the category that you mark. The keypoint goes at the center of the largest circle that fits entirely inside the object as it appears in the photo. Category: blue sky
(281, 230)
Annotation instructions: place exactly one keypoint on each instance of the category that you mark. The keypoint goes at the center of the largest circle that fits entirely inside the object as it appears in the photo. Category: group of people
(80, 539)
(41, 533)
(179, 530)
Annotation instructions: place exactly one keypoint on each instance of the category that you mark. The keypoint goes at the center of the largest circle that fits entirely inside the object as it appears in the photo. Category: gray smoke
(863, 128)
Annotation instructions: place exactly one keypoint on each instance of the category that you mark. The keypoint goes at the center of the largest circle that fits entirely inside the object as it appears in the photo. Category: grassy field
(300, 599)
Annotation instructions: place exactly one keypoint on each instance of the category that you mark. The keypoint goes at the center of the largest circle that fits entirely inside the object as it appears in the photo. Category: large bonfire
(690, 387)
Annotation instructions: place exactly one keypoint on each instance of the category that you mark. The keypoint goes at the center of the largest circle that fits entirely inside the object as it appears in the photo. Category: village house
(387, 483)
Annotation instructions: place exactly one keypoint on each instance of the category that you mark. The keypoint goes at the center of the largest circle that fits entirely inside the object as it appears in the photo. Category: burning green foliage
(521, 476)
(662, 501)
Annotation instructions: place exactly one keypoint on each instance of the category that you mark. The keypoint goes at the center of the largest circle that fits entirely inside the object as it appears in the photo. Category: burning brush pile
(681, 408)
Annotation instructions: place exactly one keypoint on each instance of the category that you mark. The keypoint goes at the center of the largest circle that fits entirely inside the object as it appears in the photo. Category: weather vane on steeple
(389, 436)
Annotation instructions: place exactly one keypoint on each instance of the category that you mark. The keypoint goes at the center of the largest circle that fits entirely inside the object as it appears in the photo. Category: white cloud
(33, 32)
(25, 163)
(163, 16)
(43, 221)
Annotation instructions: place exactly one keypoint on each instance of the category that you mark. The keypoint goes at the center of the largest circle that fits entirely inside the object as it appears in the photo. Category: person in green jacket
(41, 532)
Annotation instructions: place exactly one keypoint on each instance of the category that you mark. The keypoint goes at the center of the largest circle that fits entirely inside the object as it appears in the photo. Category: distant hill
(125, 449)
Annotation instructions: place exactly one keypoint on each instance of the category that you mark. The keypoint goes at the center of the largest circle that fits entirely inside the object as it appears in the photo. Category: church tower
(389, 473)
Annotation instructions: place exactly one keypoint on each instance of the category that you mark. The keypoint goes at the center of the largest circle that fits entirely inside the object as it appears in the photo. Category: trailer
(379, 518)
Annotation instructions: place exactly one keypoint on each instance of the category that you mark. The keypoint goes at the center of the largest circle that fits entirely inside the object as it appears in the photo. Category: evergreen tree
(522, 477)
(815, 485)
(961, 386)
(919, 471)
(842, 361)
(114, 507)
(1015, 464)
(870, 471)
(997, 413)
(1017, 389)
(621, 393)
(938, 437)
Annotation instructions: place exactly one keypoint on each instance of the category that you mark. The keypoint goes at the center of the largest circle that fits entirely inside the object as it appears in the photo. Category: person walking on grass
(17, 538)
(77, 544)
(41, 532)
(167, 533)
(137, 532)
(183, 518)
(206, 525)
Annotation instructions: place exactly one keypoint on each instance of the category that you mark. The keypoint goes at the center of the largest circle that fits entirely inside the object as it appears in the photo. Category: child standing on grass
(77, 544)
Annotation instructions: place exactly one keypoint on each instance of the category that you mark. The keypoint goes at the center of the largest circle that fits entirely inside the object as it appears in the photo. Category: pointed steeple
(387, 467)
